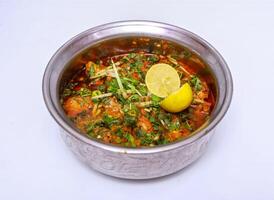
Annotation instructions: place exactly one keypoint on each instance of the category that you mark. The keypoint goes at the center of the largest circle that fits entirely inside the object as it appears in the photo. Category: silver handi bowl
(135, 163)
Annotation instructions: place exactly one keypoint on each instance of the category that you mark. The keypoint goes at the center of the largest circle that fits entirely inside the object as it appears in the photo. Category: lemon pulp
(162, 80)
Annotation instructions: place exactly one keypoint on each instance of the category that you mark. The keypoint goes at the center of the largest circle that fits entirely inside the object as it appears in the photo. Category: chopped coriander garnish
(186, 53)
(91, 70)
(142, 89)
(174, 126)
(84, 92)
(67, 92)
(130, 139)
(90, 128)
(109, 121)
(156, 100)
(113, 86)
(102, 88)
(96, 93)
(196, 83)
(119, 132)
(131, 55)
(187, 126)
(153, 59)
(134, 98)
(95, 100)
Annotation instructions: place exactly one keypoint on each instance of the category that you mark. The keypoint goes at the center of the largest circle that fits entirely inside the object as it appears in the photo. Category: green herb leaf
(147, 138)
(131, 55)
(67, 92)
(196, 83)
(143, 90)
(95, 100)
(113, 86)
(96, 93)
(156, 100)
(84, 92)
(174, 126)
(152, 119)
(91, 70)
(187, 126)
(101, 88)
(130, 139)
(183, 116)
(130, 120)
(162, 141)
(130, 115)
(187, 54)
(120, 98)
(90, 128)
(134, 98)
(109, 121)
(155, 123)
(153, 59)
(136, 65)
(119, 132)
(118, 140)
(127, 80)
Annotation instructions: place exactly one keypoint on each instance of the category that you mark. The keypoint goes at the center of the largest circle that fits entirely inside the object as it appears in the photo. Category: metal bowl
(135, 163)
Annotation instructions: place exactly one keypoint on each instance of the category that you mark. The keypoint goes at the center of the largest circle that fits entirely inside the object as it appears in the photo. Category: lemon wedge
(178, 100)
(162, 80)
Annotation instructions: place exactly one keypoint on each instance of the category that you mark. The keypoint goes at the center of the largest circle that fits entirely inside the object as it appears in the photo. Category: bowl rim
(142, 150)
